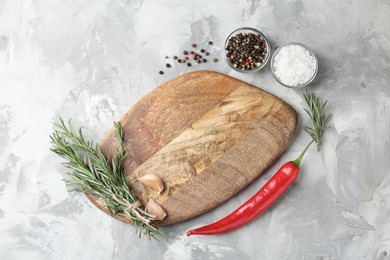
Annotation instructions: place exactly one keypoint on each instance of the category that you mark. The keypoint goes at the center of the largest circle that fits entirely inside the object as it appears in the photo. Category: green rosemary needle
(318, 118)
(93, 173)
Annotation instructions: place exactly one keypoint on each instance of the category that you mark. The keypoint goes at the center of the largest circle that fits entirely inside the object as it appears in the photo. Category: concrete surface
(92, 60)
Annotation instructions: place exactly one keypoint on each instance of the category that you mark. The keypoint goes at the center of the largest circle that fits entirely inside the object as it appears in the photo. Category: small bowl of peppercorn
(247, 50)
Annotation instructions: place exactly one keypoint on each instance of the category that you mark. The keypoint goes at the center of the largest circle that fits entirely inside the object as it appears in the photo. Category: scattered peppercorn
(196, 57)
(246, 51)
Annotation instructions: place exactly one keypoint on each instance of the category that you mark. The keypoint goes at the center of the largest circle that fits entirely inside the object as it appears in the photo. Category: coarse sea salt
(294, 65)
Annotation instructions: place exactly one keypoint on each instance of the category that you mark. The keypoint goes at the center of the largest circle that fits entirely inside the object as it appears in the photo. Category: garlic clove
(152, 181)
(156, 210)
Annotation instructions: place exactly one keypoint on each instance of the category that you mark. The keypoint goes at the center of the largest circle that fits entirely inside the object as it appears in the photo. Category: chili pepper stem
(298, 161)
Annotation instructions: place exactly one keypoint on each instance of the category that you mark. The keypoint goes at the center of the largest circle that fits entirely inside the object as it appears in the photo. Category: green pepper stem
(298, 161)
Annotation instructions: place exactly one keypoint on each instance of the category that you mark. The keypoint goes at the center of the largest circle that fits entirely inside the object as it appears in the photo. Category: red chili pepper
(256, 205)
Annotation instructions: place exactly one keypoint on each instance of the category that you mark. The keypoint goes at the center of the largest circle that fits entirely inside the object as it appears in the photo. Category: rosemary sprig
(318, 118)
(92, 173)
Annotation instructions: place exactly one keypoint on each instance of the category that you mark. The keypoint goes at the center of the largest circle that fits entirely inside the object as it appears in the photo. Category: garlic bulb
(156, 210)
(152, 181)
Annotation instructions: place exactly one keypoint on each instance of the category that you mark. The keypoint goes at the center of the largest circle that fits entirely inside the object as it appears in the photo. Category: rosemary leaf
(318, 118)
(93, 173)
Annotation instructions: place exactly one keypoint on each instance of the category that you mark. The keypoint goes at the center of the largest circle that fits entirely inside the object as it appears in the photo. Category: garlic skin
(152, 181)
(156, 210)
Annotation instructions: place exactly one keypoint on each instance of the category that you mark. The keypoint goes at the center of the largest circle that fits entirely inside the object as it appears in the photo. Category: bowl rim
(305, 47)
(268, 48)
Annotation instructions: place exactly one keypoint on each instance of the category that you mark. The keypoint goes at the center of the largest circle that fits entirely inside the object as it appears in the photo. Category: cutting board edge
(293, 133)
(105, 210)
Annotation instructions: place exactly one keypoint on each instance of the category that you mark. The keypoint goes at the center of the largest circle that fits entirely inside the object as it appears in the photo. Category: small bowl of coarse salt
(294, 65)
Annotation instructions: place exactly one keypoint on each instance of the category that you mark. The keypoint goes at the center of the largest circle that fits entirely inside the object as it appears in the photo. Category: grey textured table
(92, 60)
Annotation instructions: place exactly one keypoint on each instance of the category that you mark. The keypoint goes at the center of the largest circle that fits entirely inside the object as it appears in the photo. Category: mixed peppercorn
(196, 57)
(246, 51)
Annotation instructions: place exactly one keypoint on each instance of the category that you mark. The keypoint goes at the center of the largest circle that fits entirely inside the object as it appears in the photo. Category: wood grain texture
(206, 135)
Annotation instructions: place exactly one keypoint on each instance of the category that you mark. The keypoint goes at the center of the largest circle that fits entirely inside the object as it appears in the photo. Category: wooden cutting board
(207, 135)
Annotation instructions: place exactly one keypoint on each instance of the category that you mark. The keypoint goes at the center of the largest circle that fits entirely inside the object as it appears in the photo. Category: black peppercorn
(175, 57)
(210, 43)
(202, 50)
(179, 60)
(204, 60)
(189, 64)
(168, 65)
(185, 52)
(161, 72)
